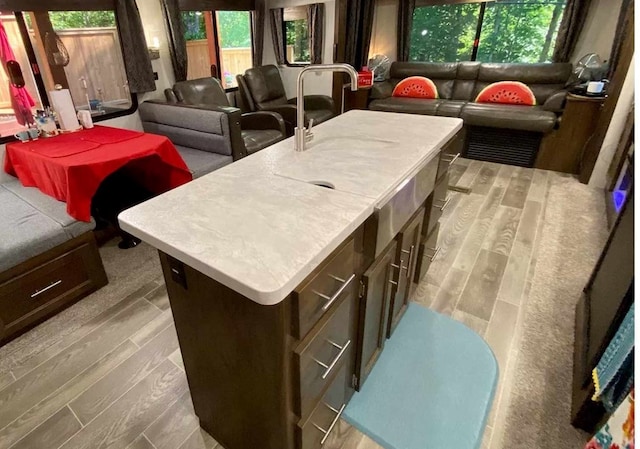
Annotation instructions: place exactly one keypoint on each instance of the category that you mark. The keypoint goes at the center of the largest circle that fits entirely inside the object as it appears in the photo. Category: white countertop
(260, 228)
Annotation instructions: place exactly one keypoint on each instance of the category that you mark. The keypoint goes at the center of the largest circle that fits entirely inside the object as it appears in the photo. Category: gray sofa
(32, 223)
(202, 136)
(459, 83)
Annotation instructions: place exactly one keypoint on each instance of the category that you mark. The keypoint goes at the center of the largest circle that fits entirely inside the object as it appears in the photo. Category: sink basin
(325, 184)
(351, 164)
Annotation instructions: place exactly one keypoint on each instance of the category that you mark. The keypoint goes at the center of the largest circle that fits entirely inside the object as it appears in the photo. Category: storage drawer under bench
(45, 284)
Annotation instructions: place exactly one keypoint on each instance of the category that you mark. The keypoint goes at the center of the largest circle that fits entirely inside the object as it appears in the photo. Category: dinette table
(72, 166)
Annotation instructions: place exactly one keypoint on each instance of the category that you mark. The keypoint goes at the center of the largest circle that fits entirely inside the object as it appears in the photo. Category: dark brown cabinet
(44, 285)
(377, 289)
(406, 256)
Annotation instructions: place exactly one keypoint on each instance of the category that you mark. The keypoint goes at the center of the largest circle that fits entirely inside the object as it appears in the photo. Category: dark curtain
(405, 22)
(621, 35)
(575, 13)
(315, 16)
(134, 47)
(257, 24)
(175, 37)
(359, 27)
(277, 33)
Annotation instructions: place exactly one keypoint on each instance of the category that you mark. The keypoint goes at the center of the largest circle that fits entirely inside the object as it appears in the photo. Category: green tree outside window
(515, 31)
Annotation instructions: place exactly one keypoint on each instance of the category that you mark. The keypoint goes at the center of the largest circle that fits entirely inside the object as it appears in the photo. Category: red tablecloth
(70, 167)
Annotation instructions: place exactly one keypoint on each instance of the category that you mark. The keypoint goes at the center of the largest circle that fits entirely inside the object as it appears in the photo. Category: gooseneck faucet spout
(302, 134)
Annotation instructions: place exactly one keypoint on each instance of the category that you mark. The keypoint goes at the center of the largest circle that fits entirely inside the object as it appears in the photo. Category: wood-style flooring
(118, 380)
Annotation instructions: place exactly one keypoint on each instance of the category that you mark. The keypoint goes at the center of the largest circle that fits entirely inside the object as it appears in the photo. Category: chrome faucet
(302, 134)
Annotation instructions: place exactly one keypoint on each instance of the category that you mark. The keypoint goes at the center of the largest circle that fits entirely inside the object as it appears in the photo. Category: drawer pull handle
(452, 160)
(436, 251)
(410, 263)
(392, 282)
(333, 423)
(329, 368)
(444, 204)
(336, 295)
(39, 292)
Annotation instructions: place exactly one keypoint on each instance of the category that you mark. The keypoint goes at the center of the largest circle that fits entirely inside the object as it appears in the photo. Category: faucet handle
(310, 126)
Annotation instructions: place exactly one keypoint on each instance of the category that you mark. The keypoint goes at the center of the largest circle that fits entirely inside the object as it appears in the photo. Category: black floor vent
(505, 146)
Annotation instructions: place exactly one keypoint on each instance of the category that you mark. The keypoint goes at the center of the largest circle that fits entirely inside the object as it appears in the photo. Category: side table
(563, 148)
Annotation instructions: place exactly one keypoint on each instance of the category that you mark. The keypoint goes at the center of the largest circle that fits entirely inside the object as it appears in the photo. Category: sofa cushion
(201, 91)
(25, 232)
(257, 139)
(265, 85)
(465, 83)
(416, 87)
(202, 162)
(507, 92)
(525, 118)
(543, 79)
(319, 115)
(442, 74)
(189, 118)
(450, 108)
(191, 138)
(406, 105)
(49, 206)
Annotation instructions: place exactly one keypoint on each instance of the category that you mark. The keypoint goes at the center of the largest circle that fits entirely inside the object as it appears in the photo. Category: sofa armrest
(316, 102)
(555, 102)
(289, 115)
(234, 117)
(263, 120)
(170, 95)
(381, 90)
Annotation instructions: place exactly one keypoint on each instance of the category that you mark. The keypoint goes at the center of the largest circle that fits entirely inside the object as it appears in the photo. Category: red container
(365, 78)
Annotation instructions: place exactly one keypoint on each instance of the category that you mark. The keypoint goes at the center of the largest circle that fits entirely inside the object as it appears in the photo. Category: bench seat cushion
(49, 206)
(258, 139)
(524, 118)
(202, 162)
(25, 232)
(406, 105)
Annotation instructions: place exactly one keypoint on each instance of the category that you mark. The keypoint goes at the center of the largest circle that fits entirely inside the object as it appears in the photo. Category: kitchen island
(287, 271)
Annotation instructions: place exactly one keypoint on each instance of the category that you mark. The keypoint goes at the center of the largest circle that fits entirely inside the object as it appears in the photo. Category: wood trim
(56, 5)
(592, 150)
(620, 156)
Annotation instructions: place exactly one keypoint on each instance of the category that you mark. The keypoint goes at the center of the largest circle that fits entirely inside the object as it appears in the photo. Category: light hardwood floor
(118, 380)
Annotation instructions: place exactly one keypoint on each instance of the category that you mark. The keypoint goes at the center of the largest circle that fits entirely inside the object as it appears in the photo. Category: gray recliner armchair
(258, 130)
(261, 89)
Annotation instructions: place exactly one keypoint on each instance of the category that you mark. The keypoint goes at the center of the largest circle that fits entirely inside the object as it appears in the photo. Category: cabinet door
(406, 255)
(374, 311)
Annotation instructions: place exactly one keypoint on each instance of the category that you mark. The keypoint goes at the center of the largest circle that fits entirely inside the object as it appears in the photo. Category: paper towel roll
(66, 111)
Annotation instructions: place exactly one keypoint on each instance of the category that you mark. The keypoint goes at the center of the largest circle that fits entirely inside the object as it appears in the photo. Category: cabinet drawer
(321, 355)
(440, 202)
(427, 252)
(29, 293)
(450, 153)
(322, 423)
(316, 296)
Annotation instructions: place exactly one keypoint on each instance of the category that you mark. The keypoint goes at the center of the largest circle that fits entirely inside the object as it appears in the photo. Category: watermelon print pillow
(507, 92)
(416, 87)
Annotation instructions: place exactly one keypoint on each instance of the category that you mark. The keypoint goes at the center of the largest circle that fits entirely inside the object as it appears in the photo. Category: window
(444, 33)
(218, 44)
(234, 40)
(499, 31)
(296, 29)
(86, 59)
